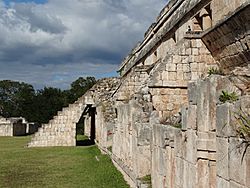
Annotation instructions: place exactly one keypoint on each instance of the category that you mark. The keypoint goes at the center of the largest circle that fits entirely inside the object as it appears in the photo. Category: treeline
(19, 99)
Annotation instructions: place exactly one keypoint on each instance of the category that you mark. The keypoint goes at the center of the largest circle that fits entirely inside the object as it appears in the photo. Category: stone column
(206, 19)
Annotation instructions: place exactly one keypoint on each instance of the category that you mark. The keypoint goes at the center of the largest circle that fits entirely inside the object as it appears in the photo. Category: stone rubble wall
(105, 115)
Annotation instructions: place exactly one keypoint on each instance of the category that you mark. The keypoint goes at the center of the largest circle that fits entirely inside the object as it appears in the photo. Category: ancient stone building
(15, 127)
(180, 111)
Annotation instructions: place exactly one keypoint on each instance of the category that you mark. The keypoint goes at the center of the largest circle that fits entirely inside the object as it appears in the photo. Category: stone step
(50, 134)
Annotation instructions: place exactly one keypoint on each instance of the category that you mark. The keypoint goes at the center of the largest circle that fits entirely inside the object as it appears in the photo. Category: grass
(64, 167)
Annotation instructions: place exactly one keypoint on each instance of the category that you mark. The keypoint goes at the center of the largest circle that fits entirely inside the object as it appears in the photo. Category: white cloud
(70, 37)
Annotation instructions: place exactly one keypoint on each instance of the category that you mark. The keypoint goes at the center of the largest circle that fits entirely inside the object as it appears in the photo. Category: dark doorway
(88, 139)
(92, 113)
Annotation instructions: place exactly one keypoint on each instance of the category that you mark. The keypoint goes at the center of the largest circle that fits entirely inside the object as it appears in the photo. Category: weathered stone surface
(222, 183)
(223, 122)
(203, 107)
(203, 173)
(237, 168)
(191, 147)
(223, 158)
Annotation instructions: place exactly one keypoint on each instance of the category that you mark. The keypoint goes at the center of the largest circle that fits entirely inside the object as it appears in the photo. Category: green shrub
(242, 127)
(228, 97)
(214, 71)
(242, 120)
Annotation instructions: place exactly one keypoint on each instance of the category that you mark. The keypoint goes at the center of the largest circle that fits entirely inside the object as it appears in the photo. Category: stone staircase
(61, 130)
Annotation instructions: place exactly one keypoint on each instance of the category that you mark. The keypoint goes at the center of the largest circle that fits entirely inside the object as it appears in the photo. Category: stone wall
(155, 88)
(104, 115)
(6, 129)
(229, 41)
(13, 127)
(207, 146)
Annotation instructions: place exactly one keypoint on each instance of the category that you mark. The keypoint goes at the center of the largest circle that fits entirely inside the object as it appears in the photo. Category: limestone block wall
(223, 7)
(206, 151)
(175, 51)
(188, 38)
(233, 156)
(6, 129)
(189, 60)
(229, 40)
(131, 141)
(105, 129)
(105, 112)
(61, 130)
(133, 83)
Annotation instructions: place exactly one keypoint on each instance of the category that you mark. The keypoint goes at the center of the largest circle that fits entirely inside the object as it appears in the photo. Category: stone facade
(187, 40)
(206, 146)
(163, 117)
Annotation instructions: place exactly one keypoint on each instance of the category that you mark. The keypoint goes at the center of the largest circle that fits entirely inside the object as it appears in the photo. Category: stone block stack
(61, 130)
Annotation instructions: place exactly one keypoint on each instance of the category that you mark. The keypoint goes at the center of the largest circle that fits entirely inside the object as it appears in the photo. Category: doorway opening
(85, 128)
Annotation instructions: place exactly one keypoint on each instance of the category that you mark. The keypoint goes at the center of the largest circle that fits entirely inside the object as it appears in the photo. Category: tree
(46, 104)
(20, 99)
(79, 87)
(14, 96)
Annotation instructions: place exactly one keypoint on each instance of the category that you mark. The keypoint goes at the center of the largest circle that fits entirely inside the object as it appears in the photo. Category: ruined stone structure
(16, 127)
(166, 117)
(61, 130)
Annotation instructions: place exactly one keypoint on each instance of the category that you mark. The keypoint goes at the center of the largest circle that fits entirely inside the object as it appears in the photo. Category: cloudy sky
(53, 42)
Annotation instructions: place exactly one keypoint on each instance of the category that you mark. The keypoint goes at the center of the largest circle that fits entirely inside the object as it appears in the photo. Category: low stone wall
(207, 150)
(6, 129)
(13, 127)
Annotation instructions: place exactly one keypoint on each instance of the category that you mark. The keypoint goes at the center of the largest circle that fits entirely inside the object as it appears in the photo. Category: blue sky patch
(7, 2)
